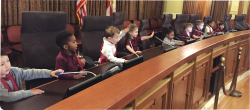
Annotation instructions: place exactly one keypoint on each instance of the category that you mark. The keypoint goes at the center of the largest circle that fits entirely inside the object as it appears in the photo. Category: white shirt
(108, 50)
(167, 40)
(207, 29)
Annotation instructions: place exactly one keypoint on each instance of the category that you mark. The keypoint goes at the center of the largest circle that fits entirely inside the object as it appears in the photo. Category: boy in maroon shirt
(187, 34)
(67, 59)
(197, 32)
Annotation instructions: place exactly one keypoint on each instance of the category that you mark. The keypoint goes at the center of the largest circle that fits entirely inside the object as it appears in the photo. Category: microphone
(132, 47)
(240, 26)
(58, 73)
(112, 70)
(200, 31)
(205, 34)
(164, 42)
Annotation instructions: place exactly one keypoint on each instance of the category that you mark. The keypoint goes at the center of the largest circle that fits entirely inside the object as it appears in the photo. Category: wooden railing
(179, 79)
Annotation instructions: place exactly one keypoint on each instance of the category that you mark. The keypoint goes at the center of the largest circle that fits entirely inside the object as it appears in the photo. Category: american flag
(111, 7)
(81, 7)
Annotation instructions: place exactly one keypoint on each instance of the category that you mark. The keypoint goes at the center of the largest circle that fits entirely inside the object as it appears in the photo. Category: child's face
(211, 24)
(170, 35)
(5, 65)
(200, 26)
(114, 39)
(134, 33)
(72, 44)
(189, 29)
(221, 27)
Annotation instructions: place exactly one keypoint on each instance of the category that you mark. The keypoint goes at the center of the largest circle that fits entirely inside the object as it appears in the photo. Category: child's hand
(202, 36)
(36, 91)
(138, 52)
(125, 30)
(53, 73)
(183, 43)
(83, 61)
(125, 60)
(80, 75)
(152, 34)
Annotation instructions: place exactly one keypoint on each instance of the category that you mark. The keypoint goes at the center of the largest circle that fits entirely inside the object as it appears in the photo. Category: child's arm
(194, 36)
(30, 74)
(168, 41)
(130, 49)
(122, 33)
(108, 53)
(147, 37)
(6, 96)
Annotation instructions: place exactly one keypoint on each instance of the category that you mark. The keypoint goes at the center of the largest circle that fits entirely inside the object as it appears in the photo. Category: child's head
(66, 41)
(5, 63)
(168, 32)
(221, 25)
(210, 22)
(199, 24)
(188, 27)
(133, 30)
(112, 34)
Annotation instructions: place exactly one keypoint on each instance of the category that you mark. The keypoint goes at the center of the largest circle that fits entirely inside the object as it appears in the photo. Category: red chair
(126, 23)
(13, 33)
(159, 22)
(137, 22)
(153, 26)
(71, 29)
(8, 51)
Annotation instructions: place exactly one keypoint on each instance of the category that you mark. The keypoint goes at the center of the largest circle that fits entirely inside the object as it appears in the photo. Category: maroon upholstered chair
(126, 23)
(13, 33)
(8, 51)
(71, 29)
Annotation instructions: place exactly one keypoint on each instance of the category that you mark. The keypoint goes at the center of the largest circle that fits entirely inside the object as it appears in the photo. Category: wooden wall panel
(242, 63)
(241, 6)
(231, 61)
(201, 8)
(202, 70)
(181, 89)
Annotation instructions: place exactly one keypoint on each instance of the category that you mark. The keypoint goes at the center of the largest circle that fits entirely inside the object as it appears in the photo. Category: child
(221, 27)
(12, 77)
(67, 59)
(197, 32)
(108, 49)
(132, 38)
(209, 29)
(186, 35)
(169, 33)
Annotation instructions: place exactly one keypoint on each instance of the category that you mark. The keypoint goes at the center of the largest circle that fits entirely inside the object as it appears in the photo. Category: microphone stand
(164, 42)
(132, 47)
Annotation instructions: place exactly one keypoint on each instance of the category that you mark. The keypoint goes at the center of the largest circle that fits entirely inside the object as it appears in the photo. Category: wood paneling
(201, 8)
(231, 61)
(200, 81)
(241, 6)
(247, 56)
(243, 58)
(181, 89)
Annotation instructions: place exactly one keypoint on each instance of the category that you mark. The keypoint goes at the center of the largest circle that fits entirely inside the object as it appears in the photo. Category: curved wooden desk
(133, 85)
